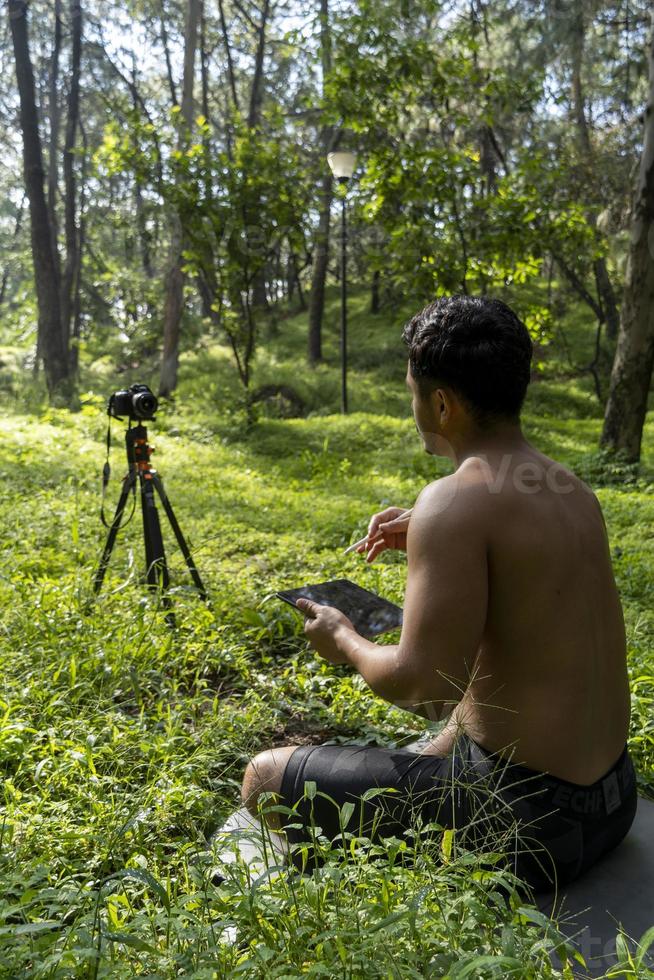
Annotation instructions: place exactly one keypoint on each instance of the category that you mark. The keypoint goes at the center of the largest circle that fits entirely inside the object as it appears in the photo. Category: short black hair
(475, 345)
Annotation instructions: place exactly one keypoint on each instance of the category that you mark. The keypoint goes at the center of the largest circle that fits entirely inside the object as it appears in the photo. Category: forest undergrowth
(123, 741)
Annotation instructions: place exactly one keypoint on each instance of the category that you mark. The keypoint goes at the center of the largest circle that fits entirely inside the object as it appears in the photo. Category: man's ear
(442, 405)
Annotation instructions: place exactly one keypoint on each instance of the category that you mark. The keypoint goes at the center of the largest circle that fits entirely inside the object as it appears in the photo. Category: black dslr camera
(137, 403)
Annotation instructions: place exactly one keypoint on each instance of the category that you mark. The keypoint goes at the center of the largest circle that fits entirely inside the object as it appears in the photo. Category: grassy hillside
(123, 742)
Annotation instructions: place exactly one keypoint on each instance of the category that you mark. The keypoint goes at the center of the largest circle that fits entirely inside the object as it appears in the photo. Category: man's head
(469, 367)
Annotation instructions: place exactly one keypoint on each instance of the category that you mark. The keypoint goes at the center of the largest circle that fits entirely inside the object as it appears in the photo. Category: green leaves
(145, 878)
(123, 747)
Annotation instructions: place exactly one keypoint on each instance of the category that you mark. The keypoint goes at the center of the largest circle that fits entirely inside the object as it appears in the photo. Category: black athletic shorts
(550, 830)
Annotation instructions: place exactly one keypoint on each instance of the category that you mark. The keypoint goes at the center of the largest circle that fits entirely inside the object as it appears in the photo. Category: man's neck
(505, 437)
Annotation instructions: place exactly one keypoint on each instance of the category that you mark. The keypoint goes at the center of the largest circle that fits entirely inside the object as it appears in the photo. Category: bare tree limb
(164, 41)
(228, 53)
(256, 94)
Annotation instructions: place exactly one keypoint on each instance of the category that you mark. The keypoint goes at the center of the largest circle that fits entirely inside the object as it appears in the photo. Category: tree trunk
(164, 41)
(174, 284)
(293, 276)
(487, 160)
(256, 93)
(50, 339)
(206, 143)
(634, 358)
(259, 290)
(190, 45)
(228, 53)
(259, 293)
(14, 238)
(70, 202)
(321, 246)
(143, 233)
(53, 149)
(605, 292)
(144, 236)
(173, 306)
(606, 295)
(374, 292)
(319, 271)
(77, 285)
(204, 78)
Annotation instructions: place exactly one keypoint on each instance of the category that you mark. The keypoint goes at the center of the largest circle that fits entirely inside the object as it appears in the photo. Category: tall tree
(634, 357)
(325, 196)
(228, 54)
(259, 296)
(14, 239)
(53, 150)
(607, 304)
(174, 299)
(256, 92)
(71, 231)
(166, 47)
(50, 335)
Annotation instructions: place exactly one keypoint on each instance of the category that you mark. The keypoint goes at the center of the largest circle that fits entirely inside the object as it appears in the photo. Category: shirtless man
(511, 618)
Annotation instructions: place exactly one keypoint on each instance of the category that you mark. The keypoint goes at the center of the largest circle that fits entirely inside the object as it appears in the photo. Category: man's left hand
(321, 626)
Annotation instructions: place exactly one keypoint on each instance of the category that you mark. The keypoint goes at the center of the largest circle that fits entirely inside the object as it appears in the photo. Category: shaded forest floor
(123, 742)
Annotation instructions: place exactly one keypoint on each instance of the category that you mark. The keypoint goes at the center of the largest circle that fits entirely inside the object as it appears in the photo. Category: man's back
(550, 679)
(511, 616)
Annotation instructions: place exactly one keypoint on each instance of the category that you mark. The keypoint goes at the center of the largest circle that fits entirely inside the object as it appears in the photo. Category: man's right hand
(387, 529)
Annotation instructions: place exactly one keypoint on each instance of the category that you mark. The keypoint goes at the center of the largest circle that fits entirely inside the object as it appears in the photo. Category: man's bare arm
(444, 611)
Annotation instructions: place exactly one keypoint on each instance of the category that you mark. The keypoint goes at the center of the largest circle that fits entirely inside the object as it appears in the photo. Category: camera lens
(144, 405)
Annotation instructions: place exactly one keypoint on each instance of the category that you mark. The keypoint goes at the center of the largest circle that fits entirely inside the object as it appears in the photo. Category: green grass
(123, 742)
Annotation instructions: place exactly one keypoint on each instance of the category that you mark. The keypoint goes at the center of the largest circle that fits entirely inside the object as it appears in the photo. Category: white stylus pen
(358, 544)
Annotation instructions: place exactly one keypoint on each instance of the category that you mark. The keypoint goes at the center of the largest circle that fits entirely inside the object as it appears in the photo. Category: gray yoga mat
(617, 891)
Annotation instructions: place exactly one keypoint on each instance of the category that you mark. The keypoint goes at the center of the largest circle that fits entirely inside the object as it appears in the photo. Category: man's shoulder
(449, 519)
(477, 493)
(461, 497)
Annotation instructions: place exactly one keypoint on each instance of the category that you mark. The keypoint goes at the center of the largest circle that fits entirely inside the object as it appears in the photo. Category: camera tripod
(139, 470)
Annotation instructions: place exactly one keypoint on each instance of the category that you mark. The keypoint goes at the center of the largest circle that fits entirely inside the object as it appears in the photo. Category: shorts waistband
(602, 797)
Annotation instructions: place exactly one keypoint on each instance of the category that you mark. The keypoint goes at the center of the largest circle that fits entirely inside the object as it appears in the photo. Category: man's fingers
(376, 549)
(308, 607)
(397, 524)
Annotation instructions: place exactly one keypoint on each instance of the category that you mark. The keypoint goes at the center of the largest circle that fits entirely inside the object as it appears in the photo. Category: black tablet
(369, 613)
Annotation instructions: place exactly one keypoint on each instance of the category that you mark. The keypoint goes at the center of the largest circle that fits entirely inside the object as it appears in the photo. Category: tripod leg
(155, 557)
(181, 541)
(128, 484)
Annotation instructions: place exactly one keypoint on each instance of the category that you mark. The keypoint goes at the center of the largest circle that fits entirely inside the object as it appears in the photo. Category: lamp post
(342, 164)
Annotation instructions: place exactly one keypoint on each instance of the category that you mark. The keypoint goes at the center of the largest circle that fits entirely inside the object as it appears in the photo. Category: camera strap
(106, 473)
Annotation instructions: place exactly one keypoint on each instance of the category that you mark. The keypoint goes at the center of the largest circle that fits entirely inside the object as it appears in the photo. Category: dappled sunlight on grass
(123, 742)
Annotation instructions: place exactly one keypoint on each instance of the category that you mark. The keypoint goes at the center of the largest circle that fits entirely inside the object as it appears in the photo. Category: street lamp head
(342, 164)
